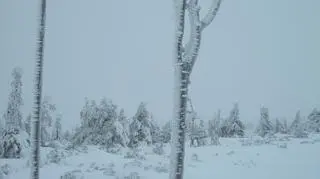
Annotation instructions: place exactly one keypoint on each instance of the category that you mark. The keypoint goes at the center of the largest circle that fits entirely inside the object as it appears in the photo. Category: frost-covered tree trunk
(35, 133)
(178, 123)
(184, 60)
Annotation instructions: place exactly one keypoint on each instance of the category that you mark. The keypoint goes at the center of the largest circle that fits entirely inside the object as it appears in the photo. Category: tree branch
(208, 18)
(193, 45)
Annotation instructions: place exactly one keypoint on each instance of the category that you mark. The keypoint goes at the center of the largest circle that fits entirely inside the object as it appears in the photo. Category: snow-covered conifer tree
(297, 127)
(125, 122)
(264, 127)
(314, 121)
(13, 115)
(279, 128)
(233, 126)
(154, 130)
(140, 127)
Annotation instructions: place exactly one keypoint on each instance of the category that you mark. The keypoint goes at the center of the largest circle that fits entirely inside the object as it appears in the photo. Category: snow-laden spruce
(10, 144)
(13, 115)
(265, 126)
(279, 127)
(233, 127)
(298, 127)
(143, 128)
(314, 121)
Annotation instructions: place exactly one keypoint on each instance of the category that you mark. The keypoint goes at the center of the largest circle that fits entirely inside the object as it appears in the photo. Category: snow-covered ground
(249, 158)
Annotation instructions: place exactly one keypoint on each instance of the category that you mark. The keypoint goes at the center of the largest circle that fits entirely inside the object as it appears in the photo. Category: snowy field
(249, 158)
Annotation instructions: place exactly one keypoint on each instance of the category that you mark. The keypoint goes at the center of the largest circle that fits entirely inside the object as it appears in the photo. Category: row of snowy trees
(198, 131)
(103, 124)
(299, 127)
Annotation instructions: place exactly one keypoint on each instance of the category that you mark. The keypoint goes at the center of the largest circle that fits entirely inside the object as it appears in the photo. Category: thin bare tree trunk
(35, 133)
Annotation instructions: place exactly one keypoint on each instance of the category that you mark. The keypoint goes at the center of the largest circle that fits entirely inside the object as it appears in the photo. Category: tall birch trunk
(35, 133)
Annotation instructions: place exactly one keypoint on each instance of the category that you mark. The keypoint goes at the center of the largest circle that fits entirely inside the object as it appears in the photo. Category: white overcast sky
(256, 52)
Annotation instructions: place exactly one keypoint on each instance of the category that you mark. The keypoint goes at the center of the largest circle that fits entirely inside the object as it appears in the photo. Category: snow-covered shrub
(282, 145)
(99, 126)
(109, 171)
(195, 157)
(158, 149)
(135, 153)
(55, 156)
(75, 174)
(300, 133)
(258, 140)
(14, 143)
(5, 169)
(162, 167)
(133, 175)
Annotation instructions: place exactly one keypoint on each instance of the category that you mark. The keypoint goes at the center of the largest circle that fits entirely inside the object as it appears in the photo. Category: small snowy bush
(14, 144)
(283, 145)
(135, 153)
(158, 149)
(162, 168)
(55, 156)
(5, 169)
(133, 175)
(75, 174)
(195, 157)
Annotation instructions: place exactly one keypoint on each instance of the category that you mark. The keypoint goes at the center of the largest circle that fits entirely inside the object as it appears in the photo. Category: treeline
(104, 123)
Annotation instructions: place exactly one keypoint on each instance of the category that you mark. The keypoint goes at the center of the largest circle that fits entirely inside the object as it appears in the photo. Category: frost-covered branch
(212, 12)
(191, 49)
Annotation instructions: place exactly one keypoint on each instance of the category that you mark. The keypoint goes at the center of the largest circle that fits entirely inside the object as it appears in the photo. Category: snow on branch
(212, 12)
(191, 48)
